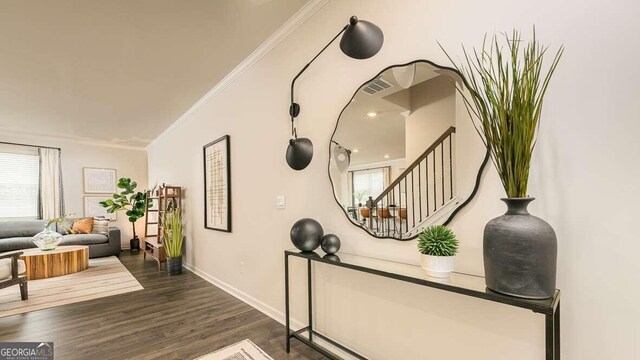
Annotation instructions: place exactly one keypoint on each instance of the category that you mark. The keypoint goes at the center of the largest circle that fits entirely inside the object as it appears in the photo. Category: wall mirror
(404, 153)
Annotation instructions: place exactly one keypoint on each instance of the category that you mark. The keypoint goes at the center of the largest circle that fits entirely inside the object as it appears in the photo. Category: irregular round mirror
(404, 154)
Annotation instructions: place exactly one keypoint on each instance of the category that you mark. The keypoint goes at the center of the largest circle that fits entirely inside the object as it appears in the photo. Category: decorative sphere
(330, 244)
(331, 257)
(306, 234)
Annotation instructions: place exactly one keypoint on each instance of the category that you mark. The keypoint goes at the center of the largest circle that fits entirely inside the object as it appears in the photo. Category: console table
(459, 283)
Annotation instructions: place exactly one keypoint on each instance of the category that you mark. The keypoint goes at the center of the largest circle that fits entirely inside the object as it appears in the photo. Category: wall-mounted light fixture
(361, 40)
(341, 156)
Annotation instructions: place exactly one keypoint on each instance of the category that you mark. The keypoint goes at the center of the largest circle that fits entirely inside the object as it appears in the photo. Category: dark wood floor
(181, 317)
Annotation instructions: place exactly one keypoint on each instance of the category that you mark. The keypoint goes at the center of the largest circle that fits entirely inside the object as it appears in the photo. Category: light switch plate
(280, 202)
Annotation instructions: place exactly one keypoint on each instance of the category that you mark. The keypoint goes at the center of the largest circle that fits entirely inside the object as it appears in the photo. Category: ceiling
(121, 71)
(379, 138)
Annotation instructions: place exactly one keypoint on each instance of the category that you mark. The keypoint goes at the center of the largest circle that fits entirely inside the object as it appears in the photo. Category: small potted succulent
(438, 246)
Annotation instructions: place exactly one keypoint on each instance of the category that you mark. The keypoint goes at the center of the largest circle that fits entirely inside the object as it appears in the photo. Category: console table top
(466, 284)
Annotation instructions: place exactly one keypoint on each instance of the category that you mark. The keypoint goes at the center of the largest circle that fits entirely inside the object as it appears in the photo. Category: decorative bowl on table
(47, 240)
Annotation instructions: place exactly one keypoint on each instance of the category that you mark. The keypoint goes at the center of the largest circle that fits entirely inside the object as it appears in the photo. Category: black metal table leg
(286, 301)
(309, 285)
(552, 334)
(556, 331)
(548, 329)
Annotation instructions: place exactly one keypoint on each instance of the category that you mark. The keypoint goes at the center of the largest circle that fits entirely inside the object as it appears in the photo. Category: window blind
(19, 184)
(367, 183)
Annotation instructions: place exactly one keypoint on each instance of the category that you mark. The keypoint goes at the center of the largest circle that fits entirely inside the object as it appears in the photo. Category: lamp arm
(294, 109)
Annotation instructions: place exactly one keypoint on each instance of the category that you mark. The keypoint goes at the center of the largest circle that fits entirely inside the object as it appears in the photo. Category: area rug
(244, 350)
(104, 277)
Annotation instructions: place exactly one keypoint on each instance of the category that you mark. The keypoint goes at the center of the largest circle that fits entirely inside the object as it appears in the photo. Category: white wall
(584, 177)
(128, 162)
(433, 106)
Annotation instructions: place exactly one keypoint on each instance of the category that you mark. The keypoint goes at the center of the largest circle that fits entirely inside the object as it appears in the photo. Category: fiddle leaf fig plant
(133, 203)
(506, 83)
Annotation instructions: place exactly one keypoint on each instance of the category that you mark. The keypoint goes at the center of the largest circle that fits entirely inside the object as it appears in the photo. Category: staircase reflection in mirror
(407, 166)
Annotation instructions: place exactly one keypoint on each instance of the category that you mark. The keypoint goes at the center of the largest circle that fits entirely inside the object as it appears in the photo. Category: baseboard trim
(244, 297)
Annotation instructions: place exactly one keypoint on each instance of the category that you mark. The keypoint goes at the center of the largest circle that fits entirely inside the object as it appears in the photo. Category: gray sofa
(18, 235)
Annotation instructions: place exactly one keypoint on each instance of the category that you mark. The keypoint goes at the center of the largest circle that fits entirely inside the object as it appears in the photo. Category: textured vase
(174, 265)
(520, 252)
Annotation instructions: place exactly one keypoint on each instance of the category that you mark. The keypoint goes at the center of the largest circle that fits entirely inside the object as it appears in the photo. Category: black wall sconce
(361, 40)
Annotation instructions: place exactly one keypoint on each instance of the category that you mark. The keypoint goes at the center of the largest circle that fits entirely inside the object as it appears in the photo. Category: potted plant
(438, 246)
(506, 86)
(133, 203)
(173, 241)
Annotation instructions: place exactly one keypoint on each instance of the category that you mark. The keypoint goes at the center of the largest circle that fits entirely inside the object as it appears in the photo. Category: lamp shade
(361, 39)
(299, 153)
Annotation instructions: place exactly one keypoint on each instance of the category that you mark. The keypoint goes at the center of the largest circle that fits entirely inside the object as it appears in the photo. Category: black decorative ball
(330, 244)
(306, 234)
(332, 257)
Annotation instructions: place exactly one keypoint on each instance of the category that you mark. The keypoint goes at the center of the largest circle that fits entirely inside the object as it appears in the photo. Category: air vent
(376, 86)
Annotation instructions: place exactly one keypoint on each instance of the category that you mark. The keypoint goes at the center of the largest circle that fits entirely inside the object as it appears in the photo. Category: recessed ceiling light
(372, 114)
(355, 150)
(386, 156)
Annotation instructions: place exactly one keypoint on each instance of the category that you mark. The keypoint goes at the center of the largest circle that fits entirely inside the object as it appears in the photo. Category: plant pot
(437, 266)
(174, 265)
(520, 252)
(134, 244)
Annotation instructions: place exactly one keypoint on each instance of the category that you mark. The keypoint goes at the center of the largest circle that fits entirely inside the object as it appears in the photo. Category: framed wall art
(99, 181)
(217, 185)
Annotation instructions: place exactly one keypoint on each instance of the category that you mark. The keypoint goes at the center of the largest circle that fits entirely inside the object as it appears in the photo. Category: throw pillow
(100, 226)
(82, 226)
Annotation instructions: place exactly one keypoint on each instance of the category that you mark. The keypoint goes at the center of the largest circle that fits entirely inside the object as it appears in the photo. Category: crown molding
(299, 18)
(55, 139)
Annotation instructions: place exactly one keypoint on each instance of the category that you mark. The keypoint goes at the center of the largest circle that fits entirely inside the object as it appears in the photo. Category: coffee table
(63, 260)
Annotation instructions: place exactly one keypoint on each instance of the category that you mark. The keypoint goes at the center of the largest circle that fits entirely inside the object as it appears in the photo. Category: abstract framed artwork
(99, 181)
(92, 208)
(217, 185)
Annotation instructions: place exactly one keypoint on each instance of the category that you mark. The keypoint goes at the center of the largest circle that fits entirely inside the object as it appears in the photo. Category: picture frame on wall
(93, 209)
(217, 184)
(99, 180)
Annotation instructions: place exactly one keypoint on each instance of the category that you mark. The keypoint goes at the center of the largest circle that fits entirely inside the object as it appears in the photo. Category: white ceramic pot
(437, 266)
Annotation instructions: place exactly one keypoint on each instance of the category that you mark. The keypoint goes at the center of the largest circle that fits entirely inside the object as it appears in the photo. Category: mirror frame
(455, 211)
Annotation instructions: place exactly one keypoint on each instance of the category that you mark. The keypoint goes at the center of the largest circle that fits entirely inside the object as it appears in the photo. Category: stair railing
(419, 191)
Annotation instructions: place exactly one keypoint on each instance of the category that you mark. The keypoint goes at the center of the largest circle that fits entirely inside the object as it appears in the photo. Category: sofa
(18, 235)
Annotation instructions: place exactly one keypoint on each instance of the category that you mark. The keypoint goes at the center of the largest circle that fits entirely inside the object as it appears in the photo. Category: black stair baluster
(426, 181)
(406, 201)
(419, 193)
(450, 168)
(435, 188)
(413, 200)
(442, 165)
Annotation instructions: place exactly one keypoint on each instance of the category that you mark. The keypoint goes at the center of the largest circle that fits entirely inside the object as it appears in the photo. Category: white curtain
(51, 202)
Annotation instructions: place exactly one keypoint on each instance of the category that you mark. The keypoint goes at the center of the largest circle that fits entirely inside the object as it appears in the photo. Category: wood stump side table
(63, 260)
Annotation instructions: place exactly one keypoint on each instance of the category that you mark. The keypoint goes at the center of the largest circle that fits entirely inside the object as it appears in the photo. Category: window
(369, 182)
(19, 184)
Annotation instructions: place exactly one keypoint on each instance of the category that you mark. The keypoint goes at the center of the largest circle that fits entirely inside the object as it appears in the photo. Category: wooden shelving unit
(162, 200)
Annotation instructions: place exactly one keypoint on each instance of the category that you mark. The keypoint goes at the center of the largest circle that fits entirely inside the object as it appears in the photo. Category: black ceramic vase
(174, 265)
(520, 252)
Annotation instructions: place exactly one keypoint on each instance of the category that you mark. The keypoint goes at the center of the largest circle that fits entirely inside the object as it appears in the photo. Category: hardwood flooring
(181, 317)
